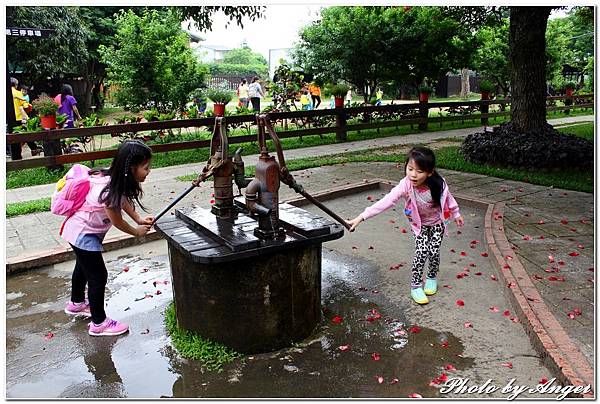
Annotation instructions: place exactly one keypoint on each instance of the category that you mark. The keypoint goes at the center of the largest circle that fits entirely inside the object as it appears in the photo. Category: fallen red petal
(468, 325)
(494, 309)
(379, 379)
(506, 313)
(415, 395)
(494, 277)
(507, 364)
(49, 336)
(460, 303)
(414, 329)
(337, 319)
(543, 380)
(344, 348)
(449, 368)
(463, 254)
(375, 356)
(484, 254)
(394, 380)
(574, 254)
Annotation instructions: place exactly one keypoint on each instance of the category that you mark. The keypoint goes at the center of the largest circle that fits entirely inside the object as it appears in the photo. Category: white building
(210, 53)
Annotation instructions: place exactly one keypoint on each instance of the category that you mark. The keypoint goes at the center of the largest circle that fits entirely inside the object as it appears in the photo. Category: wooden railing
(372, 117)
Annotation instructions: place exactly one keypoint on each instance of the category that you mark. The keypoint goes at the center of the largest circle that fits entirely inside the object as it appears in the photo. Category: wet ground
(384, 345)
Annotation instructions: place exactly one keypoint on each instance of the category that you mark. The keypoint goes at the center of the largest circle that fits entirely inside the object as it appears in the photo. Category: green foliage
(585, 131)
(486, 85)
(219, 68)
(151, 63)
(45, 105)
(201, 17)
(211, 355)
(366, 45)
(33, 125)
(286, 87)
(244, 56)
(491, 58)
(425, 89)
(339, 90)
(63, 52)
(61, 119)
(219, 95)
(27, 207)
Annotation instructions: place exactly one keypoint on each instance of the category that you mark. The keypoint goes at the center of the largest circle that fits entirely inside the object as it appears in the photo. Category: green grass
(24, 208)
(585, 131)
(211, 355)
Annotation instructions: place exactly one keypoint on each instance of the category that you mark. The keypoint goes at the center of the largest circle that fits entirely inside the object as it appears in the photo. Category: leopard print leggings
(427, 245)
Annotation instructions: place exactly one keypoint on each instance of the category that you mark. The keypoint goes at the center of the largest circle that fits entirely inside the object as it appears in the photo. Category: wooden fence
(323, 121)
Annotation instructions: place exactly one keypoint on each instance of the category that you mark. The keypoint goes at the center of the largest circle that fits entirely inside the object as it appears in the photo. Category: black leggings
(316, 100)
(255, 103)
(90, 269)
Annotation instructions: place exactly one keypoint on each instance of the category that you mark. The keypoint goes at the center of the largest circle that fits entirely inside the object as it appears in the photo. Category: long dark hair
(64, 91)
(122, 183)
(424, 158)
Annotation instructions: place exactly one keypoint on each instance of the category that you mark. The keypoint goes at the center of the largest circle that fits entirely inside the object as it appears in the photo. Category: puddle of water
(143, 364)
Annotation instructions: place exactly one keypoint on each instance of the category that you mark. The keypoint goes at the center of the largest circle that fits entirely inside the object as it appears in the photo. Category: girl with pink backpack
(90, 214)
(429, 206)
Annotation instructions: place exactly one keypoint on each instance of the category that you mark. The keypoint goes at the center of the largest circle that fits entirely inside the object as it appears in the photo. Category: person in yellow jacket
(315, 93)
(305, 101)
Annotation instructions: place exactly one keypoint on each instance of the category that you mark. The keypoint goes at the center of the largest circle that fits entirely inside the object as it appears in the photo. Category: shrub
(425, 89)
(339, 90)
(486, 85)
(45, 105)
(542, 149)
(219, 96)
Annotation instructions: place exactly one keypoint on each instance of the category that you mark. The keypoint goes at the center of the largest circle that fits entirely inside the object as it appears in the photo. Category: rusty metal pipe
(286, 177)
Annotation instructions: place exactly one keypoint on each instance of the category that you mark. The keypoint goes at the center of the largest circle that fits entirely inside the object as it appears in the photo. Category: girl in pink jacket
(429, 206)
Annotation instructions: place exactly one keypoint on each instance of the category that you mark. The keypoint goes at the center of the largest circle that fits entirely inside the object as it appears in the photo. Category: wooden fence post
(52, 148)
(484, 107)
(423, 113)
(340, 124)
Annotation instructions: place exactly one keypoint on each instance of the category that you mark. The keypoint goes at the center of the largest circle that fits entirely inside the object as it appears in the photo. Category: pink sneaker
(78, 309)
(108, 327)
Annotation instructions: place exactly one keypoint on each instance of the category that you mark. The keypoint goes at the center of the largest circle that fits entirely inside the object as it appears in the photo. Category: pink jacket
(406, 191)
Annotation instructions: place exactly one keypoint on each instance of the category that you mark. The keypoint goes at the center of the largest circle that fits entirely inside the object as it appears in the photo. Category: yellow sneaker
(419, 296)
(430, 287)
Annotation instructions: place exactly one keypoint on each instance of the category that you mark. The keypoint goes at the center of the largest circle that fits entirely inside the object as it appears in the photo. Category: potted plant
(485, 87)
(46, 108)
(339, 91)
(424, 92)
(220, 97)
(569, 88)
(61, 119)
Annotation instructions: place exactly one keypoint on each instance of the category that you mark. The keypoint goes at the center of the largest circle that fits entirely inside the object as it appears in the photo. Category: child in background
(429, 205)
(111, 191)
(305, 100)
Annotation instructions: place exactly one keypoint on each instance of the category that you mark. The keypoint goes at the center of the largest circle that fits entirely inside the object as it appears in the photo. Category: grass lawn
(585, 130)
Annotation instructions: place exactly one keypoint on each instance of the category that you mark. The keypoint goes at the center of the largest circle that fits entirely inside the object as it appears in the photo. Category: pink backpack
(70, 193)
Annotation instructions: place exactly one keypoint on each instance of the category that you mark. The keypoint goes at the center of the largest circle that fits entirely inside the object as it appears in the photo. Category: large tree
(242, 62)
(62, 53)
(527, 42)
(367, 45)
(151, 64)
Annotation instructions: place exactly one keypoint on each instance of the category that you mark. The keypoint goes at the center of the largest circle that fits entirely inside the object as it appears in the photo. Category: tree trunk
(527, 43)
(465, 87)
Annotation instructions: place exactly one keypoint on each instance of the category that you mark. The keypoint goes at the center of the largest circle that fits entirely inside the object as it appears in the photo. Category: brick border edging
(548, 337)
(61, 253)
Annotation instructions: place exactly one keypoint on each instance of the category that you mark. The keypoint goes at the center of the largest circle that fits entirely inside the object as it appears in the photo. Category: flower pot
(219, 109)
(569, 92)
(485, 95)
(48, 121)
(339, 101)
(423, 97)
